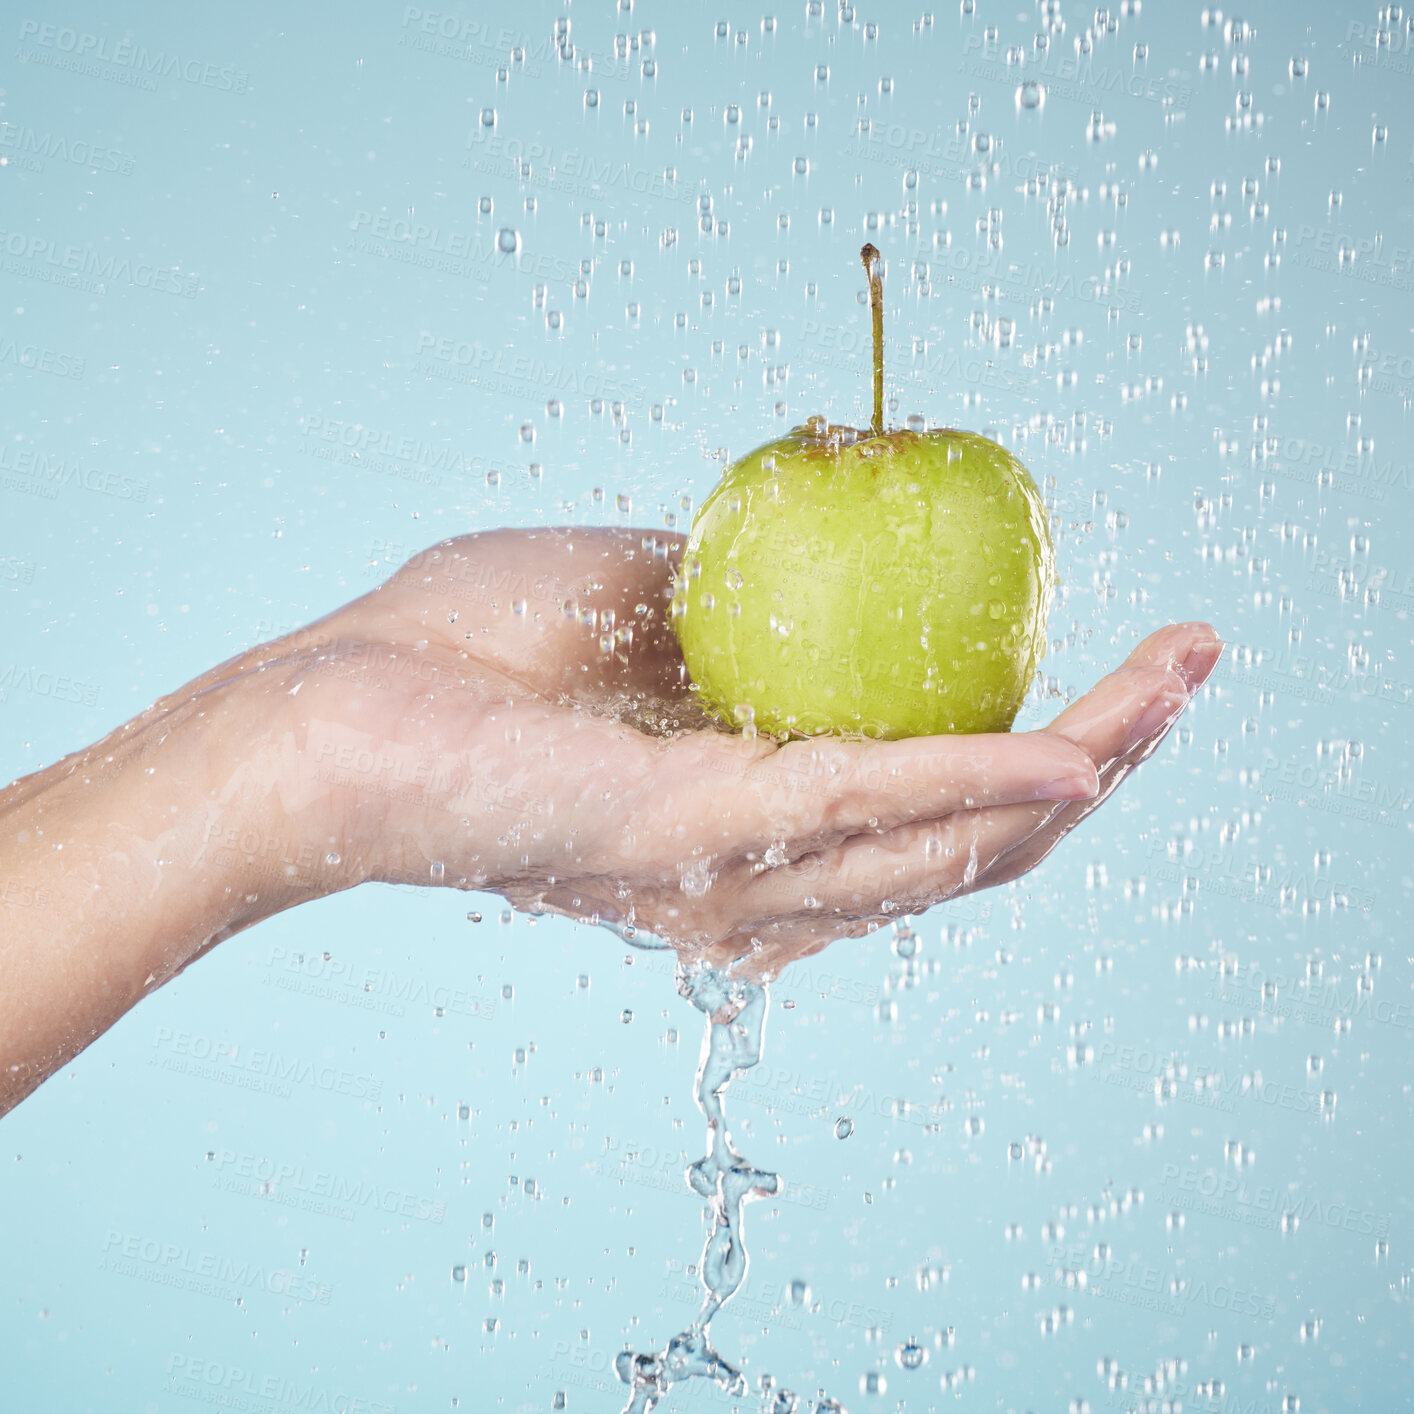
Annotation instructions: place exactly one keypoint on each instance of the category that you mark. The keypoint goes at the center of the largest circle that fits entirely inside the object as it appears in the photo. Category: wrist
(273, 830)
(112, 895)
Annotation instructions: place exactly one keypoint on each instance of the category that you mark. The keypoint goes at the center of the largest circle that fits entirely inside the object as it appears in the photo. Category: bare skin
(460, 726)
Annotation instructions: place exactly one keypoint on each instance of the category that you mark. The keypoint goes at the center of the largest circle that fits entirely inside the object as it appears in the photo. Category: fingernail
(1201, 661)
(1078, 785)
(1163, 709)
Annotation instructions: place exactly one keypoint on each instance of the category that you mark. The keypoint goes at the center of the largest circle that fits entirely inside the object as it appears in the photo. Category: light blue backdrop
(291, 292)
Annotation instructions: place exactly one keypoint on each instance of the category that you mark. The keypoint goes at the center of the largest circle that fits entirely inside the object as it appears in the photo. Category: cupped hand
(510, 711)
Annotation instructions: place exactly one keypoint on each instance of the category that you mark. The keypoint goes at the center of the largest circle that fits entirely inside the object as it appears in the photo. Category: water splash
(736, 1015)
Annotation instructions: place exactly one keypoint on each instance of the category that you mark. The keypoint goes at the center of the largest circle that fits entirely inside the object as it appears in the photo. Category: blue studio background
(292, 291)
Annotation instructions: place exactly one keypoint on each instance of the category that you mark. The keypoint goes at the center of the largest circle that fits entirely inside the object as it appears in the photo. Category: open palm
(510, 711)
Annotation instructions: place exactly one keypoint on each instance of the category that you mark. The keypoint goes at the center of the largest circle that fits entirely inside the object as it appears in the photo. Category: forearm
(123, 862)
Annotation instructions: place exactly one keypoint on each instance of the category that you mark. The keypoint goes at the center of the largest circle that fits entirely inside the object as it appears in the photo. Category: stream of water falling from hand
(736, 1014)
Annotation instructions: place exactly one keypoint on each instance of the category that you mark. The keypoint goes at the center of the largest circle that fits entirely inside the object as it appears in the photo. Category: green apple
(886, 584)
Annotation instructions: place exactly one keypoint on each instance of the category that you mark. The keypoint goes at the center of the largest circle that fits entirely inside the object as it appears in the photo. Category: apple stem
(870, 256)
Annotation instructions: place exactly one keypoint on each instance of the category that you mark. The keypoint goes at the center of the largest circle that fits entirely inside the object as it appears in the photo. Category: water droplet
(906, 943)
(844, 1127)
(910, 1355)
(1030, 95)
(507, 240)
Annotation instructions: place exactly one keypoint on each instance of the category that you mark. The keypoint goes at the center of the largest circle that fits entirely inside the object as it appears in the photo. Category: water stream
(736, 1013)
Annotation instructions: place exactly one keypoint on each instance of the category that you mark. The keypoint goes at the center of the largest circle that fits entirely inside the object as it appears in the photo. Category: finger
(842, 890)
(1135, 708)
(1188, 651)
(1121, 747)
(887, 784)
(1034, 837)
(806, 793)
(763, 953)
(906, 871)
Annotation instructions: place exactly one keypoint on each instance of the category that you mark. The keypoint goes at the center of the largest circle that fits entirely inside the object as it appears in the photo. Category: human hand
(510, 712)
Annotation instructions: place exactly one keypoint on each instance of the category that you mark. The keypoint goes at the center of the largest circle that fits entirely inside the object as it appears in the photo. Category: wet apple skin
(889, 586)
